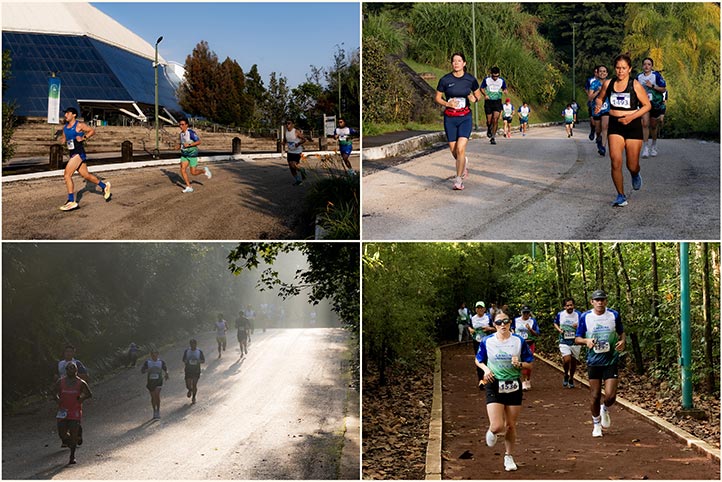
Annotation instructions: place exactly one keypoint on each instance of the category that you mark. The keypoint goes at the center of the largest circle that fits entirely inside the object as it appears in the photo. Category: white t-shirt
(293, 145)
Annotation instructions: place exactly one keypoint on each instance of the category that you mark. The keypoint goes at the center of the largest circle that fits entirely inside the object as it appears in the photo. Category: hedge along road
(252, 198)
(546, 186)
(278, 413)
(554, 434)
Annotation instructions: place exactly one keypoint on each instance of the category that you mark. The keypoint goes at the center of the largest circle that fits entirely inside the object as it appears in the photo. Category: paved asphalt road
(279, 413)
(546, 186)
(252, 199)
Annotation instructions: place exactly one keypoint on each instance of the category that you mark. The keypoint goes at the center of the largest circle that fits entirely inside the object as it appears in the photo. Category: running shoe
(653, 151)
(488, 132)
(490, 438)
(597, 432)
(188, 189)
(571, 383)
(188, 395)
(509, 464)
(69, 206)
(297, 182)
(351, 172)
(565, 383)
(601, 150)
(645, 152)
(591, 135)
(568, 136)
(193, 400)
(571, 133)
(606, 419)
(492, 141)
(208, 172)
(523, 134)
(303, 173)
(106, 191)
(621, 201)
(637, 182)
(458, 186)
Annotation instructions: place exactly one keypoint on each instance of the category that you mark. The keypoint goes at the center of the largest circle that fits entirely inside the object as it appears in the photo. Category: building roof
(73, 19)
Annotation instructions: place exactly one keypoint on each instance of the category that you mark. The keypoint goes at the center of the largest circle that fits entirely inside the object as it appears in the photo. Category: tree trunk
(638, 360)
(655, 301)
(558, 262)
(706, 310)
(600, 266)
(584, 275)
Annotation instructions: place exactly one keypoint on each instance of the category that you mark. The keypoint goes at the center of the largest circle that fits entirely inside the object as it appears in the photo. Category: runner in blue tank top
(601, 330)
(75, 133)
(456, 91)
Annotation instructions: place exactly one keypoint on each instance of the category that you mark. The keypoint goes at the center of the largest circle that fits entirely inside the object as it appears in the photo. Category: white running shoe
(188, 189)
(645, 152)
(490, 438)
(653, 151)
(458, 185)
(68, 206)
(597, 432)
(106, 191)
(606, 420)
(208, 172)
(509, 464)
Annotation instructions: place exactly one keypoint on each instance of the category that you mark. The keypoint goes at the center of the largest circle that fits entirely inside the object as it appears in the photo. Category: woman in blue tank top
(628, 102)
(75, 133)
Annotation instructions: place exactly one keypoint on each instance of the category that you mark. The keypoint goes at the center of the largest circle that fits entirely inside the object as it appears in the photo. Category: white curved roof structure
(73, 19)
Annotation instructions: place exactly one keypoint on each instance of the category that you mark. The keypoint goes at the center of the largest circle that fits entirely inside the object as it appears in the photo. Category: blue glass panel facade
(88, 69)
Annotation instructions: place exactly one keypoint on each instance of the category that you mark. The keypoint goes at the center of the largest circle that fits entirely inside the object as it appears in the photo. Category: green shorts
(190, 156)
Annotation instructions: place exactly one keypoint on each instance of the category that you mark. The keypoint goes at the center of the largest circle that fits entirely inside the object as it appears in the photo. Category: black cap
(525, 309)
(599, 295)
(72, 110)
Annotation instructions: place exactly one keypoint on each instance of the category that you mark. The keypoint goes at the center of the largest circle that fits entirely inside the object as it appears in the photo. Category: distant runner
(71, 392)
(243, 330)
(155, 368)
(480, 326)
(524, 112)
(456, 91)
(601, 330)
(463, 319)
(566, 323)
(221, 329)
(75, 134)
(502, 356)
(656, 87)
(192, 359)
(508, 116)
(294, 139)
(343, 134)
(528, 329)
(69, 356)
(493, 88)
(568, 115)
(189, 142)
(601, 118)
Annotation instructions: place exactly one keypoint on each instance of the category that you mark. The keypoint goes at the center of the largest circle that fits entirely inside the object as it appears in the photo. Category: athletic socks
(597, 420)
(71, 197)
(101, 185)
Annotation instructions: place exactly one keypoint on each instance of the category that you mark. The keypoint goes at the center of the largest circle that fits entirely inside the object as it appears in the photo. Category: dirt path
(554, 434)
(545, 186)
(251, 199)
(279, 413)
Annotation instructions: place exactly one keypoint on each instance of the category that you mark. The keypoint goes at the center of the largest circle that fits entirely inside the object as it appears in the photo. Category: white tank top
(292, 142)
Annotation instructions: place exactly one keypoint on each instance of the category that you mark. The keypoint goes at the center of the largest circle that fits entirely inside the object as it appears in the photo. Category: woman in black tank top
(625, 123)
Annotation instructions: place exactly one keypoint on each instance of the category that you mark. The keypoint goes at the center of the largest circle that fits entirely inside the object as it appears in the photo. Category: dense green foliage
(411, 293)
(101, 296)
(222, 93)
(385, 98)
(8, 125)
(333, 273)
(332, 201)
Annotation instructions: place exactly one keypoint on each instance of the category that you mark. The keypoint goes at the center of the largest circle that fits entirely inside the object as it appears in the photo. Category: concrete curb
(402, 147)
(433, 448)
(160, 162)
(690, 440)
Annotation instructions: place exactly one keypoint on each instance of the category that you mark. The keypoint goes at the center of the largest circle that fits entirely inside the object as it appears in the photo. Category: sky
(279, 37)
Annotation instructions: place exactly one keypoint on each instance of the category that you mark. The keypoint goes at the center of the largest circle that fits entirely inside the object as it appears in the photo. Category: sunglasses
(502, 322)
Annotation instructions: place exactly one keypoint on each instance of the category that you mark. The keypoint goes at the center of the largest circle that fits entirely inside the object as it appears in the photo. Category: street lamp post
(156, 153)
(574, 61)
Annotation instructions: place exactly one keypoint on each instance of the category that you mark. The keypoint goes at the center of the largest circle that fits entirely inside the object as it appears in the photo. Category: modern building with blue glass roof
(106, 71)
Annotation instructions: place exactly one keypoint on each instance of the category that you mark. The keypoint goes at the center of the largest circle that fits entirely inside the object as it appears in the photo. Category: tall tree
(257, 94)
(8, 126)
(197, 93)
(276, 102)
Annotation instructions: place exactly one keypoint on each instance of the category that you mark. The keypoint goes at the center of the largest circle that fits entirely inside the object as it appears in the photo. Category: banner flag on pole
(54, 100)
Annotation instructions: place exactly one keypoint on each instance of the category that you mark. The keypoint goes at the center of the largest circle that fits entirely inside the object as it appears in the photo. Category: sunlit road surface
(276, 414)
(546, 186)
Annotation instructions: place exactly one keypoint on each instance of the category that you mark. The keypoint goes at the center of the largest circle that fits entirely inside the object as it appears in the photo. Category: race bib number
(494, 88)
(622, 101)
(524, 334)
(508, 386)
(478, 337)
(193, 362)
(62, 414)
(569, 335)
(459, 102)
(601, 346)
(71, 144)
(154, 376)
(650, 95)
